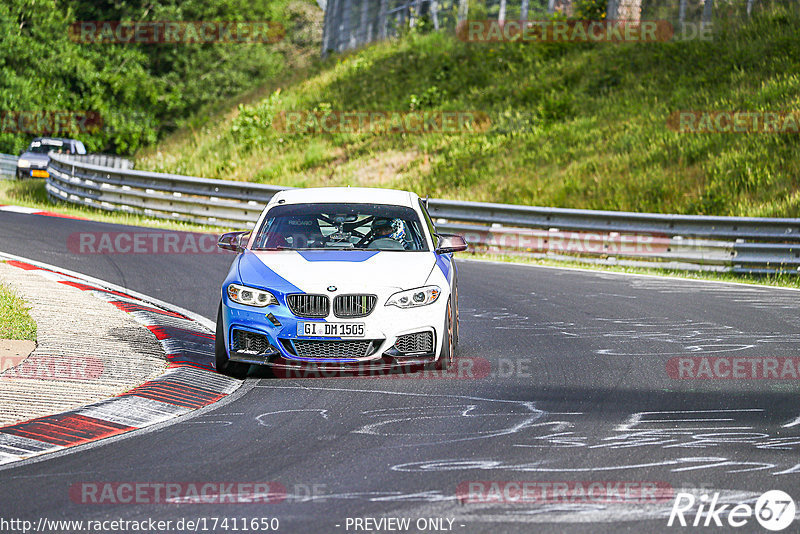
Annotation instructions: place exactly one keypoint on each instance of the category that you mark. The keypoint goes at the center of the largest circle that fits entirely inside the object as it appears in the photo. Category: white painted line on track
(618, 273)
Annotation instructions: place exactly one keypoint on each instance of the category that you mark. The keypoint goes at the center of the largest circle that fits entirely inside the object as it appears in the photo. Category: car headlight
(413, 298)
(23, 163)
(250, 296)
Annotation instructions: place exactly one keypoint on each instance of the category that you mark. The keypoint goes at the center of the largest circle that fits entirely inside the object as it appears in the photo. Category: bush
(589, 9)
(141, 91)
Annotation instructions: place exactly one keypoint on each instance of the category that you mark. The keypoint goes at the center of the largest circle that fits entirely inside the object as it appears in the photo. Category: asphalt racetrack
(568, 378)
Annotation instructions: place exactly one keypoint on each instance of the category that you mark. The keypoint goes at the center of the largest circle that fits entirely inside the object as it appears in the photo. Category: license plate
(39, 174)
(330, 329)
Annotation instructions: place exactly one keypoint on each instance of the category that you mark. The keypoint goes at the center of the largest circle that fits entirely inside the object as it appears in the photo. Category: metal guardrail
(104, 160)
(8, 163)
(736, 244)
(8, 166)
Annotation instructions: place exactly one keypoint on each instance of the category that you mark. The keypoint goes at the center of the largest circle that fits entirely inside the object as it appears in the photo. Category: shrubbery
(139, 90)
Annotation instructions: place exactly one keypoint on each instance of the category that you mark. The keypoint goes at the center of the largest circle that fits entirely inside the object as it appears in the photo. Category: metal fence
(8, 163)
(352, 23)
(166, 196)
(105, 160)
(737, 244)
(8, 166)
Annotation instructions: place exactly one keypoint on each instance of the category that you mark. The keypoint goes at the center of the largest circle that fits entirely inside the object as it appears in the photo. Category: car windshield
(341, 227)
(46, 145)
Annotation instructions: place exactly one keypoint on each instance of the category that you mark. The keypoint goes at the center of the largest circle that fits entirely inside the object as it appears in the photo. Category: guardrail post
(463, 10)
(364, 35)
(327, 24)
(708, 7)
(382, 19)
(611, 10)
(347, 26)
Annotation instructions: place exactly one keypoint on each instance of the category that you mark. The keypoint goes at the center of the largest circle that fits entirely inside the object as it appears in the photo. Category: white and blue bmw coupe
(339, 278)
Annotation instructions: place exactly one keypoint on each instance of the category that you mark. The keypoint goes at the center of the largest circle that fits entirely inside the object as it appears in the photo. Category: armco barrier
(8, 163)
(736, 244)
(104, 160)
(8, 166)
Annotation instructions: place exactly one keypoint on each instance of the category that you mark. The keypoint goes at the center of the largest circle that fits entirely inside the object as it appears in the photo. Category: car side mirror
(234, 241)
(451, 243)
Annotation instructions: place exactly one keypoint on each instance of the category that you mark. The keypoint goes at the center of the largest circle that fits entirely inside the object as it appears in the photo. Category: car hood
(35, 157)
(350, 271)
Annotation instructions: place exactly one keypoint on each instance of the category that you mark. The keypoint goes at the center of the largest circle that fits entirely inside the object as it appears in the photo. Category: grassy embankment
(588, 124)
(15, 321)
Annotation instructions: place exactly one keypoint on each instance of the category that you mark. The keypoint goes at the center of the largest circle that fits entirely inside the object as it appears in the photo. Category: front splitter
(384, 366)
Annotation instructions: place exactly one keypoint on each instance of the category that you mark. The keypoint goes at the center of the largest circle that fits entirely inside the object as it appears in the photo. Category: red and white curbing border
(36, 211)
(190, 382)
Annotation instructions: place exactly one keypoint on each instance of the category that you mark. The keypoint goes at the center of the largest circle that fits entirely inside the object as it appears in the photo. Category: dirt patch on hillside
(383, 168)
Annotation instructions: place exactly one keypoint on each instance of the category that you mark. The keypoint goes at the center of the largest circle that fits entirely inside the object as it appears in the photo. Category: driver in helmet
(387, 234)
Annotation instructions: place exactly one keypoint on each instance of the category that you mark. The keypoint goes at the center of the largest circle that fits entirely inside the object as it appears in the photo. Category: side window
(326, 228)
(429, 222)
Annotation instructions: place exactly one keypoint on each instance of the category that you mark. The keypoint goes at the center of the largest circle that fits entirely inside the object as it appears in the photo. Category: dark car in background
(32, 163)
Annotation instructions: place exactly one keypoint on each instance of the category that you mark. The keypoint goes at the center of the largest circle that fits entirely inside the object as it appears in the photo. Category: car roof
(347, 195)
(49, 138)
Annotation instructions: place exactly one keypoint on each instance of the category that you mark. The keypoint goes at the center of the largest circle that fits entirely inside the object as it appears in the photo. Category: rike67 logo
(774, 510)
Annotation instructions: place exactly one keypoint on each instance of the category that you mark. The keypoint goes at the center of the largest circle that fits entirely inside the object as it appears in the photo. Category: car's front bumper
(33, 172)
(382, 327)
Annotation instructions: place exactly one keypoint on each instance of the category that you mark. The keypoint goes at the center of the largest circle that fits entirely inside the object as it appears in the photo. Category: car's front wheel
(224, 365)
(446, 356)
(455, 319)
